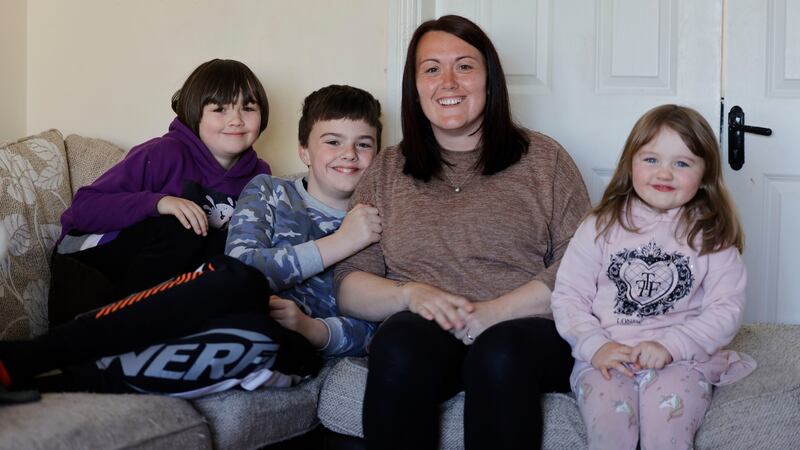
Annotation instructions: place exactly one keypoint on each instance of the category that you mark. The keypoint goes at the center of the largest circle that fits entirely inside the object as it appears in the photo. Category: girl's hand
(290, 316)
(361, 227)
(484, 315)
(651, 355)
(612, 356)
(433, 303)
(187, 212)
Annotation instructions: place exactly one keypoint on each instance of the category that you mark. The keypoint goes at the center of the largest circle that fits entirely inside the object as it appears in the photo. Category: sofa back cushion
(34, 191)
(88, 158)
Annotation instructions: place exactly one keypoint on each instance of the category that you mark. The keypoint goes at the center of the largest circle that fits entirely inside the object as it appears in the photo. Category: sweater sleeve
(348, 336)
(575, 291)
(251, 232)
(570, 203)
(720, 315)
(371, 258)
(124, 195)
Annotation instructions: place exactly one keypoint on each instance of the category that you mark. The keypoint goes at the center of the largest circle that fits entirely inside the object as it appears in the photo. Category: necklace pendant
(457, 189)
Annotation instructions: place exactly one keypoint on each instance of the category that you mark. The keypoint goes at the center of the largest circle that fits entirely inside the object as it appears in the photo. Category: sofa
(38, 176)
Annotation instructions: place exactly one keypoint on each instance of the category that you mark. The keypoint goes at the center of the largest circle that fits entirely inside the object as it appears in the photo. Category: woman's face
(451, 85)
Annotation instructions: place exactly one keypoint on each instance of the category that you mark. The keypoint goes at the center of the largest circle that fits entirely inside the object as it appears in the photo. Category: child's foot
(15, 397)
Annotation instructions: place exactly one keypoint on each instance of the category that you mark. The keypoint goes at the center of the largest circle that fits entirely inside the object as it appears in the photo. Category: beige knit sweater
(498, 233)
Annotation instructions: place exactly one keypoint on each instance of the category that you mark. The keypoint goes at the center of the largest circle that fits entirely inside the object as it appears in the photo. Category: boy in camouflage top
(294, 231)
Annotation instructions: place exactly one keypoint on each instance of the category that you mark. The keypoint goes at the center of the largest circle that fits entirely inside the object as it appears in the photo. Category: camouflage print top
(273, 229)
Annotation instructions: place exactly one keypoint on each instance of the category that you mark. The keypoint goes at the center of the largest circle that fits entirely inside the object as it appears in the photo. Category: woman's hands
(484, 315)
(187, 212)
(433, 303)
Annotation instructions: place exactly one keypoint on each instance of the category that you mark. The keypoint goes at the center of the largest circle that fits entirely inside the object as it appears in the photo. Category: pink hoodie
(649, 286)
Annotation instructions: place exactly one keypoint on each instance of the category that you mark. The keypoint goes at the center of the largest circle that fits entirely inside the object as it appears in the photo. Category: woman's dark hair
(502, 142)
(339, 102)
(219, 81)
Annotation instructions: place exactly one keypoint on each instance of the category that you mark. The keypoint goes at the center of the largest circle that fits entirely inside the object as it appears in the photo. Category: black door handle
(736, 131)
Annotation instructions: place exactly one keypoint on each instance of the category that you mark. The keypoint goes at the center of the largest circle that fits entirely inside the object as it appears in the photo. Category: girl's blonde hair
(710, 213)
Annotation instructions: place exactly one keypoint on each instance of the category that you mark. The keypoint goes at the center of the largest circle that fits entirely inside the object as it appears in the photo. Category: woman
(477, 213)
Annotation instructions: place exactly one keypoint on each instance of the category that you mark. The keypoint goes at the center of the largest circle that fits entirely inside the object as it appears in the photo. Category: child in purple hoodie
(164, 208)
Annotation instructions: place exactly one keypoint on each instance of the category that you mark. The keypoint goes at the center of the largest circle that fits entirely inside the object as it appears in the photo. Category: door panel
(763, 77)
(583, 71)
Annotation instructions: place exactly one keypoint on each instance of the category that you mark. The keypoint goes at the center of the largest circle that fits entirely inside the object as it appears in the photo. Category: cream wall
(12, 74)
(108, 68)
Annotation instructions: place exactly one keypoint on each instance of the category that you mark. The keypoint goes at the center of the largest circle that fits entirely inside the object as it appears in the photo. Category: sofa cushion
(342, 398)
(88, 158)
(240, 419)
(34, 190)
(102, 421)
(759, 411)
(763, 409)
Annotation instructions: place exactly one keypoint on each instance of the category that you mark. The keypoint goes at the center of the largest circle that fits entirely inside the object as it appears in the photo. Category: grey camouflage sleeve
(251, 231)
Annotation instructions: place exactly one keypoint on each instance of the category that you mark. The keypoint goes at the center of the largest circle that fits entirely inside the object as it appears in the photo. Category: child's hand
(186, 211)
(612, 356)
(289, 315)
(651, 355)
(361, 227)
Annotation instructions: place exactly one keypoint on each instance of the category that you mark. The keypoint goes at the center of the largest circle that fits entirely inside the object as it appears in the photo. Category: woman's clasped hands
(465, 319)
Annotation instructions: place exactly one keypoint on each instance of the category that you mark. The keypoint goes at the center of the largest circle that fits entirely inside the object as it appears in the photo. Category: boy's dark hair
(219, 81)
(339, 102)
(502, 142)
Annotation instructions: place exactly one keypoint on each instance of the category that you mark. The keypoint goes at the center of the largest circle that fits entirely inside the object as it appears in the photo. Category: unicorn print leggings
(662, 408)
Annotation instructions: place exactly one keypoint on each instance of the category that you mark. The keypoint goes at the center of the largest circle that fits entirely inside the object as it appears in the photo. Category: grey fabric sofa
(761, 411)
(38, 175)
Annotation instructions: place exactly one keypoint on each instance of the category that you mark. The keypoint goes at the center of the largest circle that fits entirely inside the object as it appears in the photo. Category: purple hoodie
(177, 164)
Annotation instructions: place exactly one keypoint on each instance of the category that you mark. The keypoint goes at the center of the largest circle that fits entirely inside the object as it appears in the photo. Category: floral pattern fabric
(34, 190)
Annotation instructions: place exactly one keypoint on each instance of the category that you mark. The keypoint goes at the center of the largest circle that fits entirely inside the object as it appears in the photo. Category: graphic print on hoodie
(649, 280)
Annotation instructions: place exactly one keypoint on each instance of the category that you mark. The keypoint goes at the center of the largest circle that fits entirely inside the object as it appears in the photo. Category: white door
(583, 71)
(762, 76)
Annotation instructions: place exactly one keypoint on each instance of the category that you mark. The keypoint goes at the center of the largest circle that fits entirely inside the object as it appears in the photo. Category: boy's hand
(289, 316)
(187, 212)
(361, 227)
(651, 355)
(612, 356)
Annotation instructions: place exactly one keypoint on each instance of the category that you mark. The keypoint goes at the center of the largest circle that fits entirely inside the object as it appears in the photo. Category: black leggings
(188, 304)
(414, 366)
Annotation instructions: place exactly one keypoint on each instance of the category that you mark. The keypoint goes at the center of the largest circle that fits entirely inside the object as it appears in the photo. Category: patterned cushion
(88, 158)
(34, 190)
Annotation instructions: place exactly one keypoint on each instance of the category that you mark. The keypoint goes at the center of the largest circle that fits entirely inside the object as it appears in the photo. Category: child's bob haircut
(336, 102)
(711, 214)
(219, 81)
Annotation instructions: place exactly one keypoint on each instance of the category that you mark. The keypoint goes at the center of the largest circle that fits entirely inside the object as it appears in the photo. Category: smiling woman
(476, 214)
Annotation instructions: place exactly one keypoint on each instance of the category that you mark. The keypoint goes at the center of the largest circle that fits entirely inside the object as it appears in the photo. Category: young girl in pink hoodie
(652, 287)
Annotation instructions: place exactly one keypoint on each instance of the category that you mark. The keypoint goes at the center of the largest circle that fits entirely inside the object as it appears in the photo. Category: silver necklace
(457, 186)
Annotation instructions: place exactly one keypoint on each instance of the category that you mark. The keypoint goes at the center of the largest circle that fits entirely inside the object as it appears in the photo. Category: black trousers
(414, 366)
(222, 295)
(140, 257)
